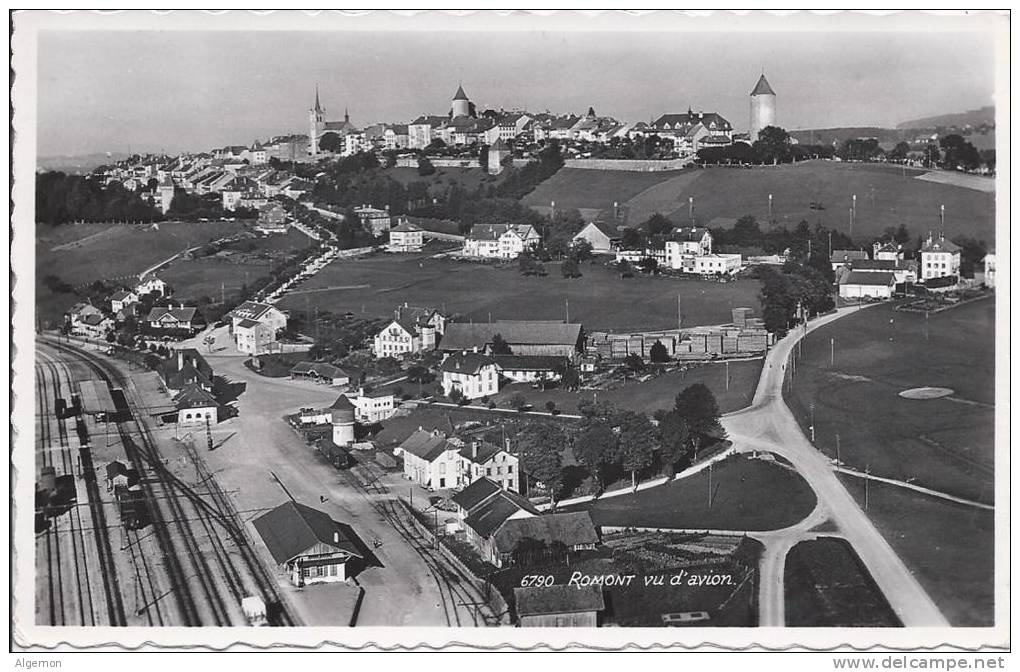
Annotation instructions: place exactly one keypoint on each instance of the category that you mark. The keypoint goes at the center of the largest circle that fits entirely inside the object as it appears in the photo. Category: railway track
(221, 568)
(92, 609)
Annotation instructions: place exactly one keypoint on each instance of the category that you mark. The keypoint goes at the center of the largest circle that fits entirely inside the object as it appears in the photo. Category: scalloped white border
(27, 636)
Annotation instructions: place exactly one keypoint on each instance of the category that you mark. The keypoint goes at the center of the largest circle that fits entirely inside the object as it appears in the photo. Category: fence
(489, 593)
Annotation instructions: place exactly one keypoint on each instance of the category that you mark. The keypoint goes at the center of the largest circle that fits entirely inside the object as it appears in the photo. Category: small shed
(560, 606)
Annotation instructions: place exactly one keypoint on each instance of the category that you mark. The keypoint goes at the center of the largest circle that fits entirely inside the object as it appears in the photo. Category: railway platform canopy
(94, 396)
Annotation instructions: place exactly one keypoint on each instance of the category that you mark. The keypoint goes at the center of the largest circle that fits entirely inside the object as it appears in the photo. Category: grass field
(108, 251)
(740, 484)
(599, 300)
(946, 444)
(885, 197)
(659, 392)
(827, 586)
(949, 547)
(469, 178)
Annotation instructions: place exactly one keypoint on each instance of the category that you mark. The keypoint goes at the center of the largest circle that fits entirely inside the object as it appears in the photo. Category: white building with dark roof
(311, 546)
(525, 337)
(500, 241)
(255, 326)
(603, 236)
(940, 258)
(473, 374)
(866, 285)
(406, 237)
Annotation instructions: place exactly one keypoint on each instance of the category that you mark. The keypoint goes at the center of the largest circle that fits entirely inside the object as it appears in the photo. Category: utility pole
(567, 302)
(851, 222)
(867, 483)
(830, 244)
(679, 317)
(710, 485)
(837, 448)
(727, 374)
(770, 207)
(832, 352)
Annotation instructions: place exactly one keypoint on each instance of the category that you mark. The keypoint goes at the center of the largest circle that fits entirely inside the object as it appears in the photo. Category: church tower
(763, 107)
(316, 124)
(460, 105)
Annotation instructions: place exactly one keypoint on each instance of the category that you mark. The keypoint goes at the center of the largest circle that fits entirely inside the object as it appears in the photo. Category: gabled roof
(689, 234)
(481, 453)
(494, 231)
(121, 295)
(839, 256)
(476, 493)
(570, 529)
(342, 403)
(251, 310)
(611, 231)
(426, 445)
(193, 396)
(762, 88)
(558, 599)
(470, 363)
(291, 529)
(881, 279)
(882, 265)
(247, 324)
(496, 511)
(528, 362)
(179, 314)
(938, 245)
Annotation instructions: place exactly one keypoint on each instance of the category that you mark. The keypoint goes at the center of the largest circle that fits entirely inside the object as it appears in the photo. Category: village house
(172, 320)
(481, 459)
(574, 530)
(603, 237)
(185, 367)
(483, 508)
(255, 326)
(91, 324)
(375, 221)
(870, 285)
(500, 241)
(195, 406)
(152, 285)
(431, 460)
(886, 251)
(372, 406)
(406, 237)
(558, 606)
(311, 546)
(272, 219)
(412, 330)
(524, 337)
(121, 298)
(940, 258)
(472, 374)
(717, 264)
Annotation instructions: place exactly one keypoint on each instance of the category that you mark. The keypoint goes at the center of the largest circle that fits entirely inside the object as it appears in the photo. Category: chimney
(474, 449)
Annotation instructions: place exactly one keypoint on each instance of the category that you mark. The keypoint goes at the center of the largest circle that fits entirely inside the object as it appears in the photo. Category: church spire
(318, 107)
(347, 117)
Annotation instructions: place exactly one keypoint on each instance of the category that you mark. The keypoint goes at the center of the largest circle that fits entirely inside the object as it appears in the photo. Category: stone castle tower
(343, 421)
(460, 105)
(763, 107)
(316, 124)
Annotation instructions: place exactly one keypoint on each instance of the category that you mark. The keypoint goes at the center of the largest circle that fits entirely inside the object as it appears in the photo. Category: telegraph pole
(832, 352)
(690, 208)
(837, 448)
(867, 483)
(770, 207)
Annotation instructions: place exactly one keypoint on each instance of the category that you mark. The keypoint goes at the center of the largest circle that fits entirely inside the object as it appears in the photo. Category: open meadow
(80, 253)
(600, 300)
(887, 195)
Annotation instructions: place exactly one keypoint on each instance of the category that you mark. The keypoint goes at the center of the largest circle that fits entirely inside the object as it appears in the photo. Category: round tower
(343, 421)
(763, 107)
(460, 105)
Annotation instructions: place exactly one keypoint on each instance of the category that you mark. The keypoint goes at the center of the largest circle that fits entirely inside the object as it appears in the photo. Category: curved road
(768, 425)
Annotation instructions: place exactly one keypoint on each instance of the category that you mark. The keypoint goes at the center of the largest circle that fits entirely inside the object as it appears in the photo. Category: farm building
(861, 284)
(603, 237)
(561, 606)
(321, 372)
(196, 406)
(840, 258)
(472, 374)
(530, 368)
(524, 337)
(310, 545)
(904, 271)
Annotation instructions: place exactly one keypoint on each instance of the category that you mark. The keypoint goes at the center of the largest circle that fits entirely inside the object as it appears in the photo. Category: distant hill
(826, 136)
(984, 115)
(80, 164)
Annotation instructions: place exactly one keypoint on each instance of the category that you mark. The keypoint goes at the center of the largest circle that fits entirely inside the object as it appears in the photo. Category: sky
(174, 91)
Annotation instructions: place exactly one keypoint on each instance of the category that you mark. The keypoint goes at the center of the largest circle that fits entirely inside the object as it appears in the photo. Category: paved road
(769, 425)
(405, 590)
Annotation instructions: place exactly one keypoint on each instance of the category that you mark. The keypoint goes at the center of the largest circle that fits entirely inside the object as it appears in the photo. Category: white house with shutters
(500, 241)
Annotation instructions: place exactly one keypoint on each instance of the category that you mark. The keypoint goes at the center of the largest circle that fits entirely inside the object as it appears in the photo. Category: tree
(550, 406)
(540, 449)
(630, 239)
(772, 145)
(456, 396)
(634, 362)
(658, 353)
(899, 152)
(779, 304)
(637, 438)
(580, 250)
(331, 142)
(595, 447)
(625, 269)
(698, 407)
(649, 265)
(500, 346)
(959, 154)
(518, 402)
(658, 225)
(570, 269)
(932, 155)
(675, 439)
(425, 166)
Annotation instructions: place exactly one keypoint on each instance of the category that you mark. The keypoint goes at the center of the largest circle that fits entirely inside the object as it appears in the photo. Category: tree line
(61, 198)
(609, 441)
